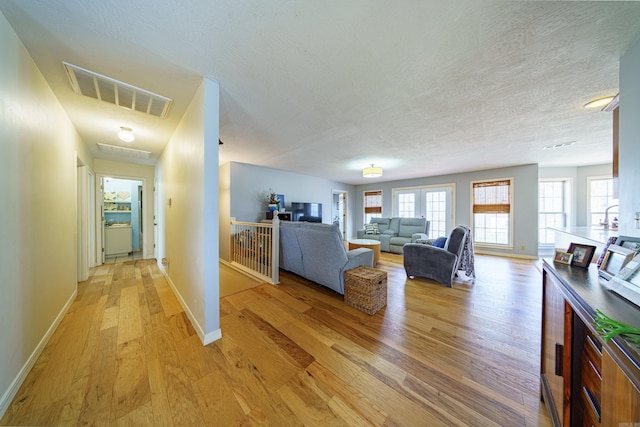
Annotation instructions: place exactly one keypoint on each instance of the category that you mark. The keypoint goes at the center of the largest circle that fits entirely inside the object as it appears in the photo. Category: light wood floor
(295, 354)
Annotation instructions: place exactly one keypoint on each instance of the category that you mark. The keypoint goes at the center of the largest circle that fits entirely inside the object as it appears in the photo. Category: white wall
(629, 143)
(525, 202)
(187, 175)
(38, 151)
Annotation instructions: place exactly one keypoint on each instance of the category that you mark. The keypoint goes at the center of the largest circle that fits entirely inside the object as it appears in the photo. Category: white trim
(512, 204)
(205, 338)
(13, 389)
(503, 254)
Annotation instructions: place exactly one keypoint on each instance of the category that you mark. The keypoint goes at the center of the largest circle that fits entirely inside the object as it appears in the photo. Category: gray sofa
(431, 262)
(395, 232)
(317, 252)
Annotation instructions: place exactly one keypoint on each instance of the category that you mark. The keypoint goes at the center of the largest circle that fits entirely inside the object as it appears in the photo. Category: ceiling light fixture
(600, 102)
(126, 134)
(372, 172)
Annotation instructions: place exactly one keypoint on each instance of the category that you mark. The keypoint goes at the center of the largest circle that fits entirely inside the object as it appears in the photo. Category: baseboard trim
(504, 254)
(205, 338)
(11, 392)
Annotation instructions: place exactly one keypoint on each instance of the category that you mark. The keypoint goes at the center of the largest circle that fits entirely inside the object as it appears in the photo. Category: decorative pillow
(440, 242)
(371, 228)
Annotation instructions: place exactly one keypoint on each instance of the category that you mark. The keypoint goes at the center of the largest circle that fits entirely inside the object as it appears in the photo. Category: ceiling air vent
(114, 149)
(97, 86)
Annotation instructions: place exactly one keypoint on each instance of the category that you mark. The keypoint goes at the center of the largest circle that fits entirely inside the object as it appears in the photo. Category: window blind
(373, 202)
(492, 197)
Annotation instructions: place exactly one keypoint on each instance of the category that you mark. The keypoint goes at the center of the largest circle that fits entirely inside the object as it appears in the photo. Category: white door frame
(344, 213)
(99, 214)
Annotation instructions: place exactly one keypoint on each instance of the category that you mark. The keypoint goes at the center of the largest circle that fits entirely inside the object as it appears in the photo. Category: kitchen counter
(594, 236)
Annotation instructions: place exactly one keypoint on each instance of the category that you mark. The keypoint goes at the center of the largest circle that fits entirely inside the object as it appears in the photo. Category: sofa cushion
(383, 223)
(409, 226)
(439, 242)
(371, 228)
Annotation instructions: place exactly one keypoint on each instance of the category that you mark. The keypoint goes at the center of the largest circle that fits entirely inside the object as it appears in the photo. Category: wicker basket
(365, 288)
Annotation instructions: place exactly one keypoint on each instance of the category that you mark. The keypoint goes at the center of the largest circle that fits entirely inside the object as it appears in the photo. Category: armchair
(439, 264)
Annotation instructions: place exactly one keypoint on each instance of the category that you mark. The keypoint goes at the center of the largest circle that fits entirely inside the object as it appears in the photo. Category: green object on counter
(609, 328)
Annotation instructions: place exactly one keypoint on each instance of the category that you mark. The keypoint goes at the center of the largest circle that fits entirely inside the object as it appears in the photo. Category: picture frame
(629, 242)
(563, 257)
(627, 282)
(582, 254)
(614, 260)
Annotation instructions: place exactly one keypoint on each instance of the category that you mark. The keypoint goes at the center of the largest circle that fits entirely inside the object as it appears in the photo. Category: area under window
(491, 205)
(372, 205)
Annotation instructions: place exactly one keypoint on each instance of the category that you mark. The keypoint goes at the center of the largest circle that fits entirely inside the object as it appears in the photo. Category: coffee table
(369, 244)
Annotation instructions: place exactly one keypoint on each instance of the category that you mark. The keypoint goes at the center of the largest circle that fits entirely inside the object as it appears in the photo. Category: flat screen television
(309, 212)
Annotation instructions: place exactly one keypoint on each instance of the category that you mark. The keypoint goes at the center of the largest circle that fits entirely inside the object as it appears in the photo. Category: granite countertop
(596, 234)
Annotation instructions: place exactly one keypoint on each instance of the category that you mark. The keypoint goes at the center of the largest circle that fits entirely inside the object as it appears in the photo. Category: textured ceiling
(420, 88)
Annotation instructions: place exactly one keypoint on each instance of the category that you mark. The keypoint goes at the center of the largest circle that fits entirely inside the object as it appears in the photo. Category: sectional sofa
(394, 232)
(316, 252)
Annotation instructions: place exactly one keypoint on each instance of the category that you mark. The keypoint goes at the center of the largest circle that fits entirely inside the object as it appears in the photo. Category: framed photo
(627, 282)
(582, 254)
(563, 257)
(614, 260)
(629, 242)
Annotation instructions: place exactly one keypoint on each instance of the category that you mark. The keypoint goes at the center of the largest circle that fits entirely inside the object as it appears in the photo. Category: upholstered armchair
(431, 262)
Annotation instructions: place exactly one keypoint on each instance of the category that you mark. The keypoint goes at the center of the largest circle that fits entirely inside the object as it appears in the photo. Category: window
(435, 203)
(438, 207)
(491, 203)
(551, 209)
(600, 198)
(372, 205)
(407, 205)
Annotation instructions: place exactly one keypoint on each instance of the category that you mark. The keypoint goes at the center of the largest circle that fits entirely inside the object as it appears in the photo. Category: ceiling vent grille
(114, 149)
(97, 86)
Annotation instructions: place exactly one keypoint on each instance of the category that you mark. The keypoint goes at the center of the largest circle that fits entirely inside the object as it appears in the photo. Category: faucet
(605, 223)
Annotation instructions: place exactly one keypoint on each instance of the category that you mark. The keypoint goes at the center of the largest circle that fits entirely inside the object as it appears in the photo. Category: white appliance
(118, 239)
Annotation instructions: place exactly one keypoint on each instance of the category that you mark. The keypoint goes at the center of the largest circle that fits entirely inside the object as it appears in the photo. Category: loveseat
(316, 252)
(394, 232)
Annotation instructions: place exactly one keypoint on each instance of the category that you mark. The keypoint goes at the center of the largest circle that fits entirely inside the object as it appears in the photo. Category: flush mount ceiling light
(372, 172)
(600, 102)
(132, 152)
(126, 134)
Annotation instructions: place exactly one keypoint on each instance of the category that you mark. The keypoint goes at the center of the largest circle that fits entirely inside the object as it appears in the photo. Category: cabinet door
(620, 398)
(556, 350)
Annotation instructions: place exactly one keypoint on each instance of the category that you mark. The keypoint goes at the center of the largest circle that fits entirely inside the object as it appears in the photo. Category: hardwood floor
(295, 354)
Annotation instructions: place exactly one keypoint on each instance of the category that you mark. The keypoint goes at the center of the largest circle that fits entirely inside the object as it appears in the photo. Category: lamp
(126, 134)
(372, 172)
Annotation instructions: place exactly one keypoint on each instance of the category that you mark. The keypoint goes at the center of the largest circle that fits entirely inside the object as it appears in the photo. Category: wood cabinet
(584, 380)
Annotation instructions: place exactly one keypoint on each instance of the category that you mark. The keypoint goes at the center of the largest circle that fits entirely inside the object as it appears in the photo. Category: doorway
(339, 211)
(122, 226)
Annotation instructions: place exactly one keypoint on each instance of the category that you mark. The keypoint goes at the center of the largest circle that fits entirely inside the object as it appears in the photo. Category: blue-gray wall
(525, 201)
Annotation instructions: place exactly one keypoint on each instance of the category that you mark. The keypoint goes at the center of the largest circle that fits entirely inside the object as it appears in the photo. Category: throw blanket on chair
(467, 262)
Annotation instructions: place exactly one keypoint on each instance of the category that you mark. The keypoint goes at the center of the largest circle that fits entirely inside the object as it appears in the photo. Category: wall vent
(97, 86)
(114, 149)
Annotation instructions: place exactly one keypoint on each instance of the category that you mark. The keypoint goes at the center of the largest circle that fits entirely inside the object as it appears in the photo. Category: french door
(435, 203)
